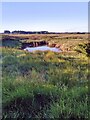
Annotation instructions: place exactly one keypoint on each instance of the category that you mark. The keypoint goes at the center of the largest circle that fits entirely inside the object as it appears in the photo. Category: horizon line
(45, 31)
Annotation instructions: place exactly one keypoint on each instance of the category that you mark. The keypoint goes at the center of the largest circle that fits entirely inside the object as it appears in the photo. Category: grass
(68, 41)
(44, 84)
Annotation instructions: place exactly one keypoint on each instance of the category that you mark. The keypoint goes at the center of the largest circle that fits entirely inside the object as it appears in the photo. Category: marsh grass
(44, 84)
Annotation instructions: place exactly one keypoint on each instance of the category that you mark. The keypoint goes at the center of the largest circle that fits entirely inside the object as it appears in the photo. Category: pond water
(42, 48)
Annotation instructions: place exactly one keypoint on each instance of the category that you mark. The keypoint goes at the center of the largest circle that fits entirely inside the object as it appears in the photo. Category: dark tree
(7, 32)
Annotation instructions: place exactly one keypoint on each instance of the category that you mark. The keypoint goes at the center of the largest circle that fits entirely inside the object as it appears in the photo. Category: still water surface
(42, 48)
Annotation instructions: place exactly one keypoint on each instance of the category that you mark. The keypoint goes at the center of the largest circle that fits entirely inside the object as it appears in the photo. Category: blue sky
(49, 16)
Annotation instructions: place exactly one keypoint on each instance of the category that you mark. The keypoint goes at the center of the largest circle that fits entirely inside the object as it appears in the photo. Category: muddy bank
(62, 47)
(34, 44)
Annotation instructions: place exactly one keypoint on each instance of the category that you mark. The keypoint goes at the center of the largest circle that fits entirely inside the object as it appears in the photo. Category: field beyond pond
(45, 84)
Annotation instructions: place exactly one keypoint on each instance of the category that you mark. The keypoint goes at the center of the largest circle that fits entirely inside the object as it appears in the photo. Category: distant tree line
(38, 32)
(25, 32)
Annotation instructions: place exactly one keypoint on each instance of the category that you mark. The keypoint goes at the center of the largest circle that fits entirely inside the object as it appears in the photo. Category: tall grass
(44, 85)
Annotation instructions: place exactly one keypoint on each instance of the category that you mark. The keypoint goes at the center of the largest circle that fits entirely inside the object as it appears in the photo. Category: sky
(45, 0)
(45, 16)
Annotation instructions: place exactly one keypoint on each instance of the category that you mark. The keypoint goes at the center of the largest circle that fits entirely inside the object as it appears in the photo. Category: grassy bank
(44, 84)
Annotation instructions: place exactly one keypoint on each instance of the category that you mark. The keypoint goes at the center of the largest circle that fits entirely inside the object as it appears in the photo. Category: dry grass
(67, 41)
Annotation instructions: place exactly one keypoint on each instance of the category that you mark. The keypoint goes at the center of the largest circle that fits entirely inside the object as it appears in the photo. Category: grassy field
(63, 41)
(46, 84)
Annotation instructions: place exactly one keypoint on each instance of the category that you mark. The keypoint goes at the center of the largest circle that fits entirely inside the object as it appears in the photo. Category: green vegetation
(44, 84)
(84, 48)
(10, 42)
